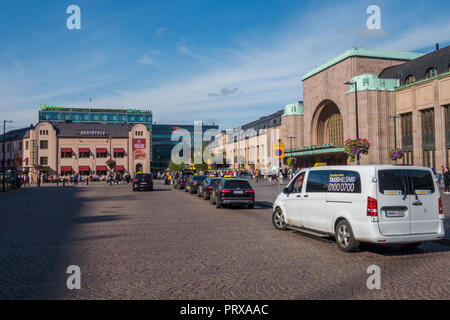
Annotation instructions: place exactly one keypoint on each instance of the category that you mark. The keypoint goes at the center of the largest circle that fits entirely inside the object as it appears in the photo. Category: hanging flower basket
(396, 154)
(355, 147)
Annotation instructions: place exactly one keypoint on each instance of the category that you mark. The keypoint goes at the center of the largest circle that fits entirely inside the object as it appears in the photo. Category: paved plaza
(168, 244)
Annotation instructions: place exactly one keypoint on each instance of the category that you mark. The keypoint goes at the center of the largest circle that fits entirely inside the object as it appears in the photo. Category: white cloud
(148, 61)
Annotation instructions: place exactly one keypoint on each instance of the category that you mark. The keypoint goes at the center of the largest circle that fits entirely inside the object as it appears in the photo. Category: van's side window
(392, 182)
(318, 181)
(344, 181)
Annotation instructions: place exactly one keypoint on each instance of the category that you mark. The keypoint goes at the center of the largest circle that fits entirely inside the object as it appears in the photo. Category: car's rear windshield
(215, 182)
(413, 181)
(143, 176)
(199, 178)
(235, 184)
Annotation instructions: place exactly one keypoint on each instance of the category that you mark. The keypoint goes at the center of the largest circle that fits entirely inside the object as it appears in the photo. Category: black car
(207, 186)
(143, 181)
(180, 182)
(193, 183)
(233, 192)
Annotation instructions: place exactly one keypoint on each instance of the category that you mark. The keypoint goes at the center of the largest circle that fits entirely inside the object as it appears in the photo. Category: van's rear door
(393, 203)
(424, 199)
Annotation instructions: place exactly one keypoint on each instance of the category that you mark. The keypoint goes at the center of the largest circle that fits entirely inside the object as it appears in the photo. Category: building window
(432, 72)
(119, 155)
(20, 145)
(66, 154)
(407, 138)
(428, 137)
(27, 145)
(43, 132)
(84, 155)
(43, 144)
(447, 126)
(101, 154)
(410, 79)
(43, 161)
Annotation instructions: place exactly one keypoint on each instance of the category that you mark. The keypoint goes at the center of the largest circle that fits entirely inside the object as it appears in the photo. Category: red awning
(101, 168)
(66, 149)
(119, 168)
(66, 169)
(86, 150)
(102, 150)
(119, 150)
(84, 168)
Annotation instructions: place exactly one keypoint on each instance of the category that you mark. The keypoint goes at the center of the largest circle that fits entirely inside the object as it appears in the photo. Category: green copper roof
(371, 82)
(361, 52)
(293, 109)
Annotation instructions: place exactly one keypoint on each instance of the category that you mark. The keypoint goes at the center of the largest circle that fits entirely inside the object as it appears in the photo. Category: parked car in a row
(220, 191)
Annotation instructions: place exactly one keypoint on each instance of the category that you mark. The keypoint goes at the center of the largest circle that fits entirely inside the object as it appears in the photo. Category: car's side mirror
(286, 190)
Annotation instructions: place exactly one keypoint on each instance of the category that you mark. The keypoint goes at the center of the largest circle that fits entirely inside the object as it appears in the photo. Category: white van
(382, 204)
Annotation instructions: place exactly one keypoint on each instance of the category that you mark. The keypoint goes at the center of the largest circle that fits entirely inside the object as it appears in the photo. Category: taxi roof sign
(320, 164)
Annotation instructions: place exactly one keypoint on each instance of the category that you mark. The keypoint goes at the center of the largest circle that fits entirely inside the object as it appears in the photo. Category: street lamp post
(4, 153)
(355, 83)
(290, 138)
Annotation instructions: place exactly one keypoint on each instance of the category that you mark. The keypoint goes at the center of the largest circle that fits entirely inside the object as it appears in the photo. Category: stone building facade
(83, 148)
(393, 99)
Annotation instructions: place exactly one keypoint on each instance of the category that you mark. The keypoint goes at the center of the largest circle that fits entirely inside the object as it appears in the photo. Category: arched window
(330, 126)
(410, 79)
(432, 72)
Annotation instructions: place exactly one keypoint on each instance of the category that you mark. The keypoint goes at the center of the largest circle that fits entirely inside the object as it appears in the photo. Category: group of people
(273, 177)
(112, 178)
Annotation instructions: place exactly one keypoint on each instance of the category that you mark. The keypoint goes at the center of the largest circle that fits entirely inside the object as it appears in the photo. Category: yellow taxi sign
(320, 164)
(227, 176)
(212, 176)
(278, 150)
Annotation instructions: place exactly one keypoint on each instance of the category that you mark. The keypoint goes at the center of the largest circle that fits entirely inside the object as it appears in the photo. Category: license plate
(394, 213)
(238, 192)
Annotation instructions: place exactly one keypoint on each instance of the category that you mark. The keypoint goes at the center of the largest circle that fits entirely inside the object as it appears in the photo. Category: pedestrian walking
(447, 180)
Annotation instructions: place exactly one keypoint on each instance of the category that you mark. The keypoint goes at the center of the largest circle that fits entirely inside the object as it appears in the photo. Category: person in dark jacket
(447, 180)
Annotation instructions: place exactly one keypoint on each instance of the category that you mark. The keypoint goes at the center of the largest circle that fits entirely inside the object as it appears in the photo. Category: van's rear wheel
(344, 237)
(278, 219)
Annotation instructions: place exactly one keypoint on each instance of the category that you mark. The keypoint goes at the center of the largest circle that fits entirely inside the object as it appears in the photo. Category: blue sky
(227, 62)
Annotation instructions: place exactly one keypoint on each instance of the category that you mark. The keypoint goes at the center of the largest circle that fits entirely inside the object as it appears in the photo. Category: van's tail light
(195, 183)
(249, 191)
(372, 208)
(210, 187)
(225, 191)
(136, 180)
(441, 211)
